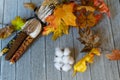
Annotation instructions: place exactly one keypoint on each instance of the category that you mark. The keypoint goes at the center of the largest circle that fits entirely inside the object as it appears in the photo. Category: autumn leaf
(81, 65)
(60, 20)
(18, 23)
(87, 2)
(89, 39)
(54, 2)
(6, 32)
(102, 7)
(99, 5)
(49, 2)
(115, 55)
(88, 8)
(30, 6)
(85, 18)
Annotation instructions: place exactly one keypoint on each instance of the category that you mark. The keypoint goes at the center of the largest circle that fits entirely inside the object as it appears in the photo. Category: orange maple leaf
(60, 20)
(98, 5)
(115, 55)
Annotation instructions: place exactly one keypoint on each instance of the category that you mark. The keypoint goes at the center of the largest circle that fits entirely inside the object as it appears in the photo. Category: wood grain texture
(23, 66)
(65, 41)
(115, 27)
(1, 11)
(0, 49)
(51, 72)
(37, 63)
(37, 60)
(1, 21)
(78, 55)
(10, 11)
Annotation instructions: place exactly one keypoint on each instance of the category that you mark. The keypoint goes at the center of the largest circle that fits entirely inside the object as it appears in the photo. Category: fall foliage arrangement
(56, 17)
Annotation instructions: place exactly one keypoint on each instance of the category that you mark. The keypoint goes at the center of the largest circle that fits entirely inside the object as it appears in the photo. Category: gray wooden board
(1, 10)
(10, 11)
(37, 60)
(0, 58)
(51, 72)
(1, 20)
(65, 41)
(38, 57)
(115, 26)
(22, 70)
(78, 55)
(37, 63)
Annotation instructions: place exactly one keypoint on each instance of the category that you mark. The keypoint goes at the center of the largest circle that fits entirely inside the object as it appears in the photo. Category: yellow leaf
(18, 23)
(30, 6)
(88, 8)
(96, 51)
(60, 20)
(49, 2)
(81, 66)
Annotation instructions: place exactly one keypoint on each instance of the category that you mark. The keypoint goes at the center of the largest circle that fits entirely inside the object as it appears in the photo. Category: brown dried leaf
(85, 18)
(115, 55)
(89, 39)
(30, 6)
(99, 5)
(49, 2)
(6, 31)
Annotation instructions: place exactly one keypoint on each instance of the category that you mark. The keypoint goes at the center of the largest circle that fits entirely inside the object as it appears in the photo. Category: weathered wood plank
(22, 11)
(37, 60)
(0, 58)
(98, 69)
(115, 27)
(23, 65)
(10, 11)
(37, 56)
(51, 72)
(1, 10)
(37, 63)
(67, 41)
(1, 20)
(48, 70)
(37, 2)
(77, 48)
(105, 69)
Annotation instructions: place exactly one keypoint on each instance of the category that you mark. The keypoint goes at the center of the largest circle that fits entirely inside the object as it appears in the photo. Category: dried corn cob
(8, 46)
(31, 25)
(22, 49)
(16, 44)
(29, 40)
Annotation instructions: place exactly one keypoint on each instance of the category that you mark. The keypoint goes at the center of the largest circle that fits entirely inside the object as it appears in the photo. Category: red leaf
(102, 7)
